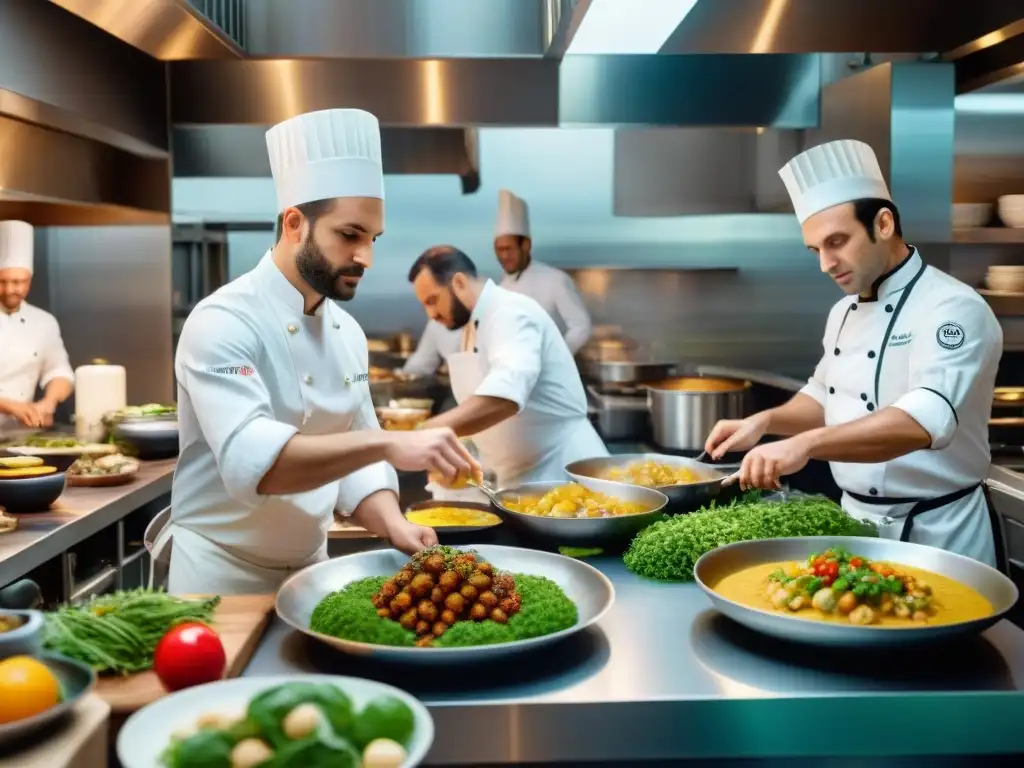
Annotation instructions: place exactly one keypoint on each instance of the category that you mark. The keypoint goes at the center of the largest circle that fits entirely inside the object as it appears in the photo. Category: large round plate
(999, 590)
(586, 586)
(76, 680)
(147, 733)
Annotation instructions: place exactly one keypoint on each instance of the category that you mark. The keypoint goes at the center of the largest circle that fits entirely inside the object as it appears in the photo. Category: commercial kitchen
(133, 141)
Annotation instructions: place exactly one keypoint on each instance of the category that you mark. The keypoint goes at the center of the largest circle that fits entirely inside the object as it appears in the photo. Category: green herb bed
(668, 550)
(348, 614)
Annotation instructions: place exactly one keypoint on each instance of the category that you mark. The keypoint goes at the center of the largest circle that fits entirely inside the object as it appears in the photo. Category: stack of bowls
(1005, 279)
(971, 215)
(1011, 210)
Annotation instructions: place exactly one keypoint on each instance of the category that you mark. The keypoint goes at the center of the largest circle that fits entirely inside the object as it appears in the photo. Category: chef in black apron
(900, 402)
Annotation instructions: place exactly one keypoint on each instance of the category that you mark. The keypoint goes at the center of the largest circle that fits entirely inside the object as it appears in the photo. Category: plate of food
(102, 471)
(445, 605)
(60, 451)
(455, 520)
(36, 690)
(313, 721)
(689, 484)
(598, 513)
(28, 485)
(853, 591)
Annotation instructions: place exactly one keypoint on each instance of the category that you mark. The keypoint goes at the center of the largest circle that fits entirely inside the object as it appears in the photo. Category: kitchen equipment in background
(99, 389)
(625, 371)
(684, 410)
(1011, 210)
(1005, 278)
(971, 215)
(620, 412)
(151, 438)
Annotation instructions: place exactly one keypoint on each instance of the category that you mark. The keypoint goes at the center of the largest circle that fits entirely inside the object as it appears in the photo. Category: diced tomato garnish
(856, 562)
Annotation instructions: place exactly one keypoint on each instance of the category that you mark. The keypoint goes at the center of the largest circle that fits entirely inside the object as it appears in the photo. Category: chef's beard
(316, 270)
(460, 314)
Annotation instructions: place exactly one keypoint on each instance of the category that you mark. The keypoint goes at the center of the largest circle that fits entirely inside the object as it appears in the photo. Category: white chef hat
(326, 154)
(831, 174)
(513, 215)
(16, 245)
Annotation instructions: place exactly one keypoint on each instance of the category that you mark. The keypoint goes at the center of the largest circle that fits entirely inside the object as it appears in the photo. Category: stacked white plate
(1011, 210)
(1005, 279)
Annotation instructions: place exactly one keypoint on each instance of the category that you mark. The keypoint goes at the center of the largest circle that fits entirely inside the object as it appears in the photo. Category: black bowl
(30, 494)
(461, 534)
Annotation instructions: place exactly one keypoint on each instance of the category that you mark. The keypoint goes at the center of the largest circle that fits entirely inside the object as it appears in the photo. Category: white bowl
(1005, 282)
(970, 215)
(1011, 210)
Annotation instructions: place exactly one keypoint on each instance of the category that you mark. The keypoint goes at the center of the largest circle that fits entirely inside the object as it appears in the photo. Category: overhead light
(628, 26)
(990, 103)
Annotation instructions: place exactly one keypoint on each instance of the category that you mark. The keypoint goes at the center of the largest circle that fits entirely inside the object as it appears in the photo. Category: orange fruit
(27, 687)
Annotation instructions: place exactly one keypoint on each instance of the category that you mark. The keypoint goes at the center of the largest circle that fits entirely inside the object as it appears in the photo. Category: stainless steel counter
(76, 515)
(664, 677)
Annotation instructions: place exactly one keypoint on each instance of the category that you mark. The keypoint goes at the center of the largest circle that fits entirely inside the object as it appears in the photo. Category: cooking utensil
(625, 371)
(685, 410)
(683, 497)
(24, 640)
(146, 734)
(585, 531)
(457, 534)
(586, 586)
(999, 590)
(76, 680)
(31, 494)
(489, 492)
(152, 438)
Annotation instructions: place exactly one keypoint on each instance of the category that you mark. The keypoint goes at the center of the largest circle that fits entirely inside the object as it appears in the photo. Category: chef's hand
(45, 408)
(735, 435)
(26, 413)
(766, 464)
(410, 538)
(435, 450)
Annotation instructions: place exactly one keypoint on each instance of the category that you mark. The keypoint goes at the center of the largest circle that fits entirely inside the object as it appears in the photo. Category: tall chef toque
(513, 215)
(326, 154)
(16, 245)
(831, 174)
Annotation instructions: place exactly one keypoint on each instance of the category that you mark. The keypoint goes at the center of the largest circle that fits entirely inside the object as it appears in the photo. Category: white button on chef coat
(513, 351)
(929, 345)
(555, 291)
(437, 342)
(32, 354)
(243, 392)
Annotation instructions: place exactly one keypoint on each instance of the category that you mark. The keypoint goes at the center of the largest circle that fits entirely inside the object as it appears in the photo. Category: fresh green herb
(668, 550)
(349, 614)
(120, 631)
(580, 552)
(813, 585)
(840, 585)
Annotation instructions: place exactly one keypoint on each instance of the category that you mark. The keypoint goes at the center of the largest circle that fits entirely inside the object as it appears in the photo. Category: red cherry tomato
(189, 654)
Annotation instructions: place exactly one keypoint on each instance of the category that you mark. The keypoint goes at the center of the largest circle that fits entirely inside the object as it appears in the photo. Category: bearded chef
(552, 288)
(32, 354)
(518, 390)
(436, 343)
(277, 427)
(900, 402)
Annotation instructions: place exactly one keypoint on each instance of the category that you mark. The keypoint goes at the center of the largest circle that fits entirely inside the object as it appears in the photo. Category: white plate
(147, 733)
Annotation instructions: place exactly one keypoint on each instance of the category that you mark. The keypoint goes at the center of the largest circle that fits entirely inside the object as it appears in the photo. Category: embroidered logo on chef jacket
(357, 379)
(950, 336)
(901, 339)
(233, 370)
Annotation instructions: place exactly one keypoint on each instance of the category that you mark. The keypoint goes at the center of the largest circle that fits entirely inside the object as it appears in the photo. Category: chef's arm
(574, 314)
(57, 391)
(475, 415)
(426, 359)
(57, 379)
(882, 436)
(379, 513)
(307, 462)
(799, 414)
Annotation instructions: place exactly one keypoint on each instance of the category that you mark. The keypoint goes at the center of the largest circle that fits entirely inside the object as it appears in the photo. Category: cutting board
(239, 620)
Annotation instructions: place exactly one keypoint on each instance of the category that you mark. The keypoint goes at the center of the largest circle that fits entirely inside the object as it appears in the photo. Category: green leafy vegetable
(580, 552)
(349, 614)
(205, 749)
(314, 752)
(119, 632)
(269, 709)
(383, 718)
(668, 550)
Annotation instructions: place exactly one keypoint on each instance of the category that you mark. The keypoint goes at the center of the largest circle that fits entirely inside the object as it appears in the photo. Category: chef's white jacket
(929, 345)
(437, 342)
(253, 370)
(555, 291)
(32, 354)
(513, 351)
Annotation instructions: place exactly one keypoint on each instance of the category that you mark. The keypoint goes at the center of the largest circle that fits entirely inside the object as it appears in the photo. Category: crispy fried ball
(488, 599)
(405, 576)
(448, 617)
(401, 603)
(449, 581)
(439, 628)
(478, 612)
(437, 595)
(455, 603)
(469, 592)
(503, 583)
(379, 601)
(425, 641)
(384, 613)
(427, 611)
(499, 616)
(481, 581)
(421, 585)
(422, 627)
(434, 564)
(389, 589)
(409, 619)
(485, 568)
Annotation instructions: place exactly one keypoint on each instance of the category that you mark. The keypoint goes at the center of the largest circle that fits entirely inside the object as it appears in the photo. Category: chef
(552, 288)
(900, 402)
(32, 354)
(518, 390)
(436, 343)
(277, 427)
